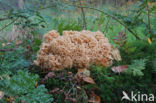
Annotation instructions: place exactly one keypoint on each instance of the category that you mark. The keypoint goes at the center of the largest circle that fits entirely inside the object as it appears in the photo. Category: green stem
(2, 19)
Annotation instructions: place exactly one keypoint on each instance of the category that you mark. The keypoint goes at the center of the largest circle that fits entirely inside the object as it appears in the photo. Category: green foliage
(22, 87)
(138, 77)
(36, 44)
(137, 49)
(35, 20)
(68, 26)
(64, 87)
(101, 19)
(136, 67)
(136, 19)
(12, 59)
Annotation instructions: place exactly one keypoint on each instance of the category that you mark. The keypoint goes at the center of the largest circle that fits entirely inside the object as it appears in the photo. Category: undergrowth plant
(23, 87)
(138, 77)
(12, 58)
(72, 25)
(137, 53)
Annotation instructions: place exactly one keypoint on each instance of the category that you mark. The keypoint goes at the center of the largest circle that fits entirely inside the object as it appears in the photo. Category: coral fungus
(74, 49)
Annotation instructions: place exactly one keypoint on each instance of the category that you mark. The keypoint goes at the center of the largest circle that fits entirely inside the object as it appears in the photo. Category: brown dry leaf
(7, 99)
(119, 69)
(1, 94)
(78, 87)
(36, 84)
(70, 73)
(88, 80)
(94, 98)
(50, 75)
(73, 100)
(116, 54)
(10, 99)
(149, 41)
(83, 72)
(18, 42)
(28, 47)
(55, 90)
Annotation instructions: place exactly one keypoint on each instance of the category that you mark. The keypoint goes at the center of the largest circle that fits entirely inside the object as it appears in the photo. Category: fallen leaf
(7, 99)
(50, 74)
(73, 100)
(36, 84)
(28, 47)
(70, 73)
(1, 94)
(149, 41)
(88, 80)
(78, 87)
(94, 98)
(10, 99)
(18, 42)
(119, 69)
(83, 72)
(55, 90)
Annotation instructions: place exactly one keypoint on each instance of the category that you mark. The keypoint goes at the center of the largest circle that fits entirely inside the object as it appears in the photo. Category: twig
(4, 50)
(71, 88)
(2, 19)
(113, 17)
(83, 16)
(47, 7)
(149, 22)
(59, 95)
(106, 25)
(9, 24)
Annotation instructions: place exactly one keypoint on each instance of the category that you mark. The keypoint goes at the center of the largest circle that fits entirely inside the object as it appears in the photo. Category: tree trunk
(83, 16)
(21, 4)
(17, 31)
